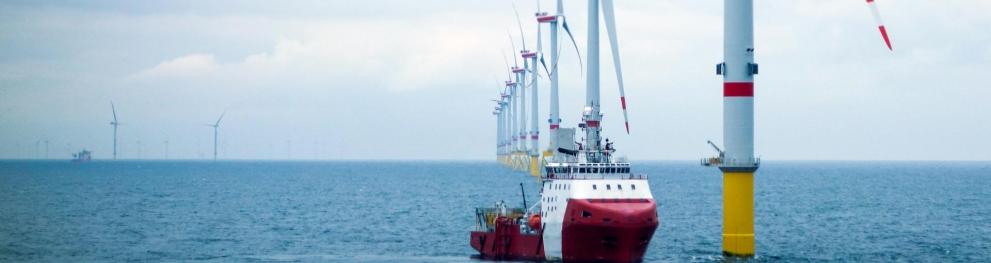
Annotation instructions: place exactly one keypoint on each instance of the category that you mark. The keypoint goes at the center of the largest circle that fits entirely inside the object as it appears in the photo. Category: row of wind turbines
(736, 159)
(116, 123)
(517, 145)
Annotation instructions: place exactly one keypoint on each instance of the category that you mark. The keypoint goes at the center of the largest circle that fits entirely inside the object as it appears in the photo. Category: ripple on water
(422, 211)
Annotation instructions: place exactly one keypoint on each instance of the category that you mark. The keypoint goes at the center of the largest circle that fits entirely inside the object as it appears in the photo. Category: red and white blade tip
(622, 102)
(880, 23)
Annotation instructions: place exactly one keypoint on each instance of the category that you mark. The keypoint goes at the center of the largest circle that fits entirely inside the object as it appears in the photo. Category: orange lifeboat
(534, 221)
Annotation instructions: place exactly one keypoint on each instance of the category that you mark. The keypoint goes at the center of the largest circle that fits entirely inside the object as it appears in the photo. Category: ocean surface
(56, 211)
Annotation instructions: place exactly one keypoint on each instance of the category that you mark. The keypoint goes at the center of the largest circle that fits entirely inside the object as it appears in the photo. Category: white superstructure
(592, 181)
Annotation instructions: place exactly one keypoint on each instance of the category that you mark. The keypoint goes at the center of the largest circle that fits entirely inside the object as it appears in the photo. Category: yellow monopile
(534, 166)
(738, 220)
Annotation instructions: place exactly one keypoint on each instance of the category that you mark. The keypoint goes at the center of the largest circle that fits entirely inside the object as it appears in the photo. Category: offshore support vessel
(592, 208)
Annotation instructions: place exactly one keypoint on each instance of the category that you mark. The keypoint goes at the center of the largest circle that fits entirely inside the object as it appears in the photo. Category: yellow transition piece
(534, 166)
(738, 213)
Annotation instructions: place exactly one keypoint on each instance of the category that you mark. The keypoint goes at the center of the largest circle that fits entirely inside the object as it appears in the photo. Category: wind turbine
(737, 160)
(114, 123)
(216, 126)
(592, 115)
(555, 22)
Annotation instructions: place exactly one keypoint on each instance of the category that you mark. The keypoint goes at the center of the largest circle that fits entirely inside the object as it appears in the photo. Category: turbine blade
(512, 44)
(504, 59)
(564, 24)
(880, 23)
(548, 71)
(221, 118)
(520, 24)
(609, 16)
(114, 110)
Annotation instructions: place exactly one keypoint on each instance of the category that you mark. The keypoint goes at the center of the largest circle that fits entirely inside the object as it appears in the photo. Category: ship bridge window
(619, 187)
(608, 187)
(633, 186)
(594, 187)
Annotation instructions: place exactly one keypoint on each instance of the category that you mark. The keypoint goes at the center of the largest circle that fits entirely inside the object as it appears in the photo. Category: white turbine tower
(555, 22)
(216, 126)
(114, 123)
(737, 159)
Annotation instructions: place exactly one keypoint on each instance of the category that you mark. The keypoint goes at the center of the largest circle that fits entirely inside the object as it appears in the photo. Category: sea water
(422, 211)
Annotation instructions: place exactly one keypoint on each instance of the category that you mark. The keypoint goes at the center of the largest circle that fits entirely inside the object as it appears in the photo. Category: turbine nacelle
(542, 17)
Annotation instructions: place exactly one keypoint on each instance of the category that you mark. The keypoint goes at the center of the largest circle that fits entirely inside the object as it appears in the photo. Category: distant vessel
(82, 156)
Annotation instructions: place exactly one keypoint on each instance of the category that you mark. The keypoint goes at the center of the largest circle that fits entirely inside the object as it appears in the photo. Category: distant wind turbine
(114, 123)
(216, 126)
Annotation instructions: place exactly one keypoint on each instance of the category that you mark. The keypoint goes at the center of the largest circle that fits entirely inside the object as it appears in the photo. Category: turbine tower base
(534, 166)
(738, 214)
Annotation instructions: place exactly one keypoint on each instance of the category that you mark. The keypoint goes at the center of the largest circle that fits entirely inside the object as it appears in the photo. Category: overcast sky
(413, 79)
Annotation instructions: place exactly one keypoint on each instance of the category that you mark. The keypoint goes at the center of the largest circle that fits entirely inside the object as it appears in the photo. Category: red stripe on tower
(738, 89)
(592, 124)
(555, 126)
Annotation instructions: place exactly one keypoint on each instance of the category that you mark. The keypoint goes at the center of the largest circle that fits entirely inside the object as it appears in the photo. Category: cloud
(185, 66)
(342, 69)
(397, 55)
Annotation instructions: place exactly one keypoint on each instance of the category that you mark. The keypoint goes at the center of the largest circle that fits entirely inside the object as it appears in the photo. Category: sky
(397, 79)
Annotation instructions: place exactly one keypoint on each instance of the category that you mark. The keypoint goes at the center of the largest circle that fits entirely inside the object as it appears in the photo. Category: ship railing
(720, 162)
(485, 217)
(599, 176)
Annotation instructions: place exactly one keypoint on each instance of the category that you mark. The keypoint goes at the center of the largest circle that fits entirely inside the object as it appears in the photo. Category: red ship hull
(507, 243)
(608, 230)
(593, 231)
